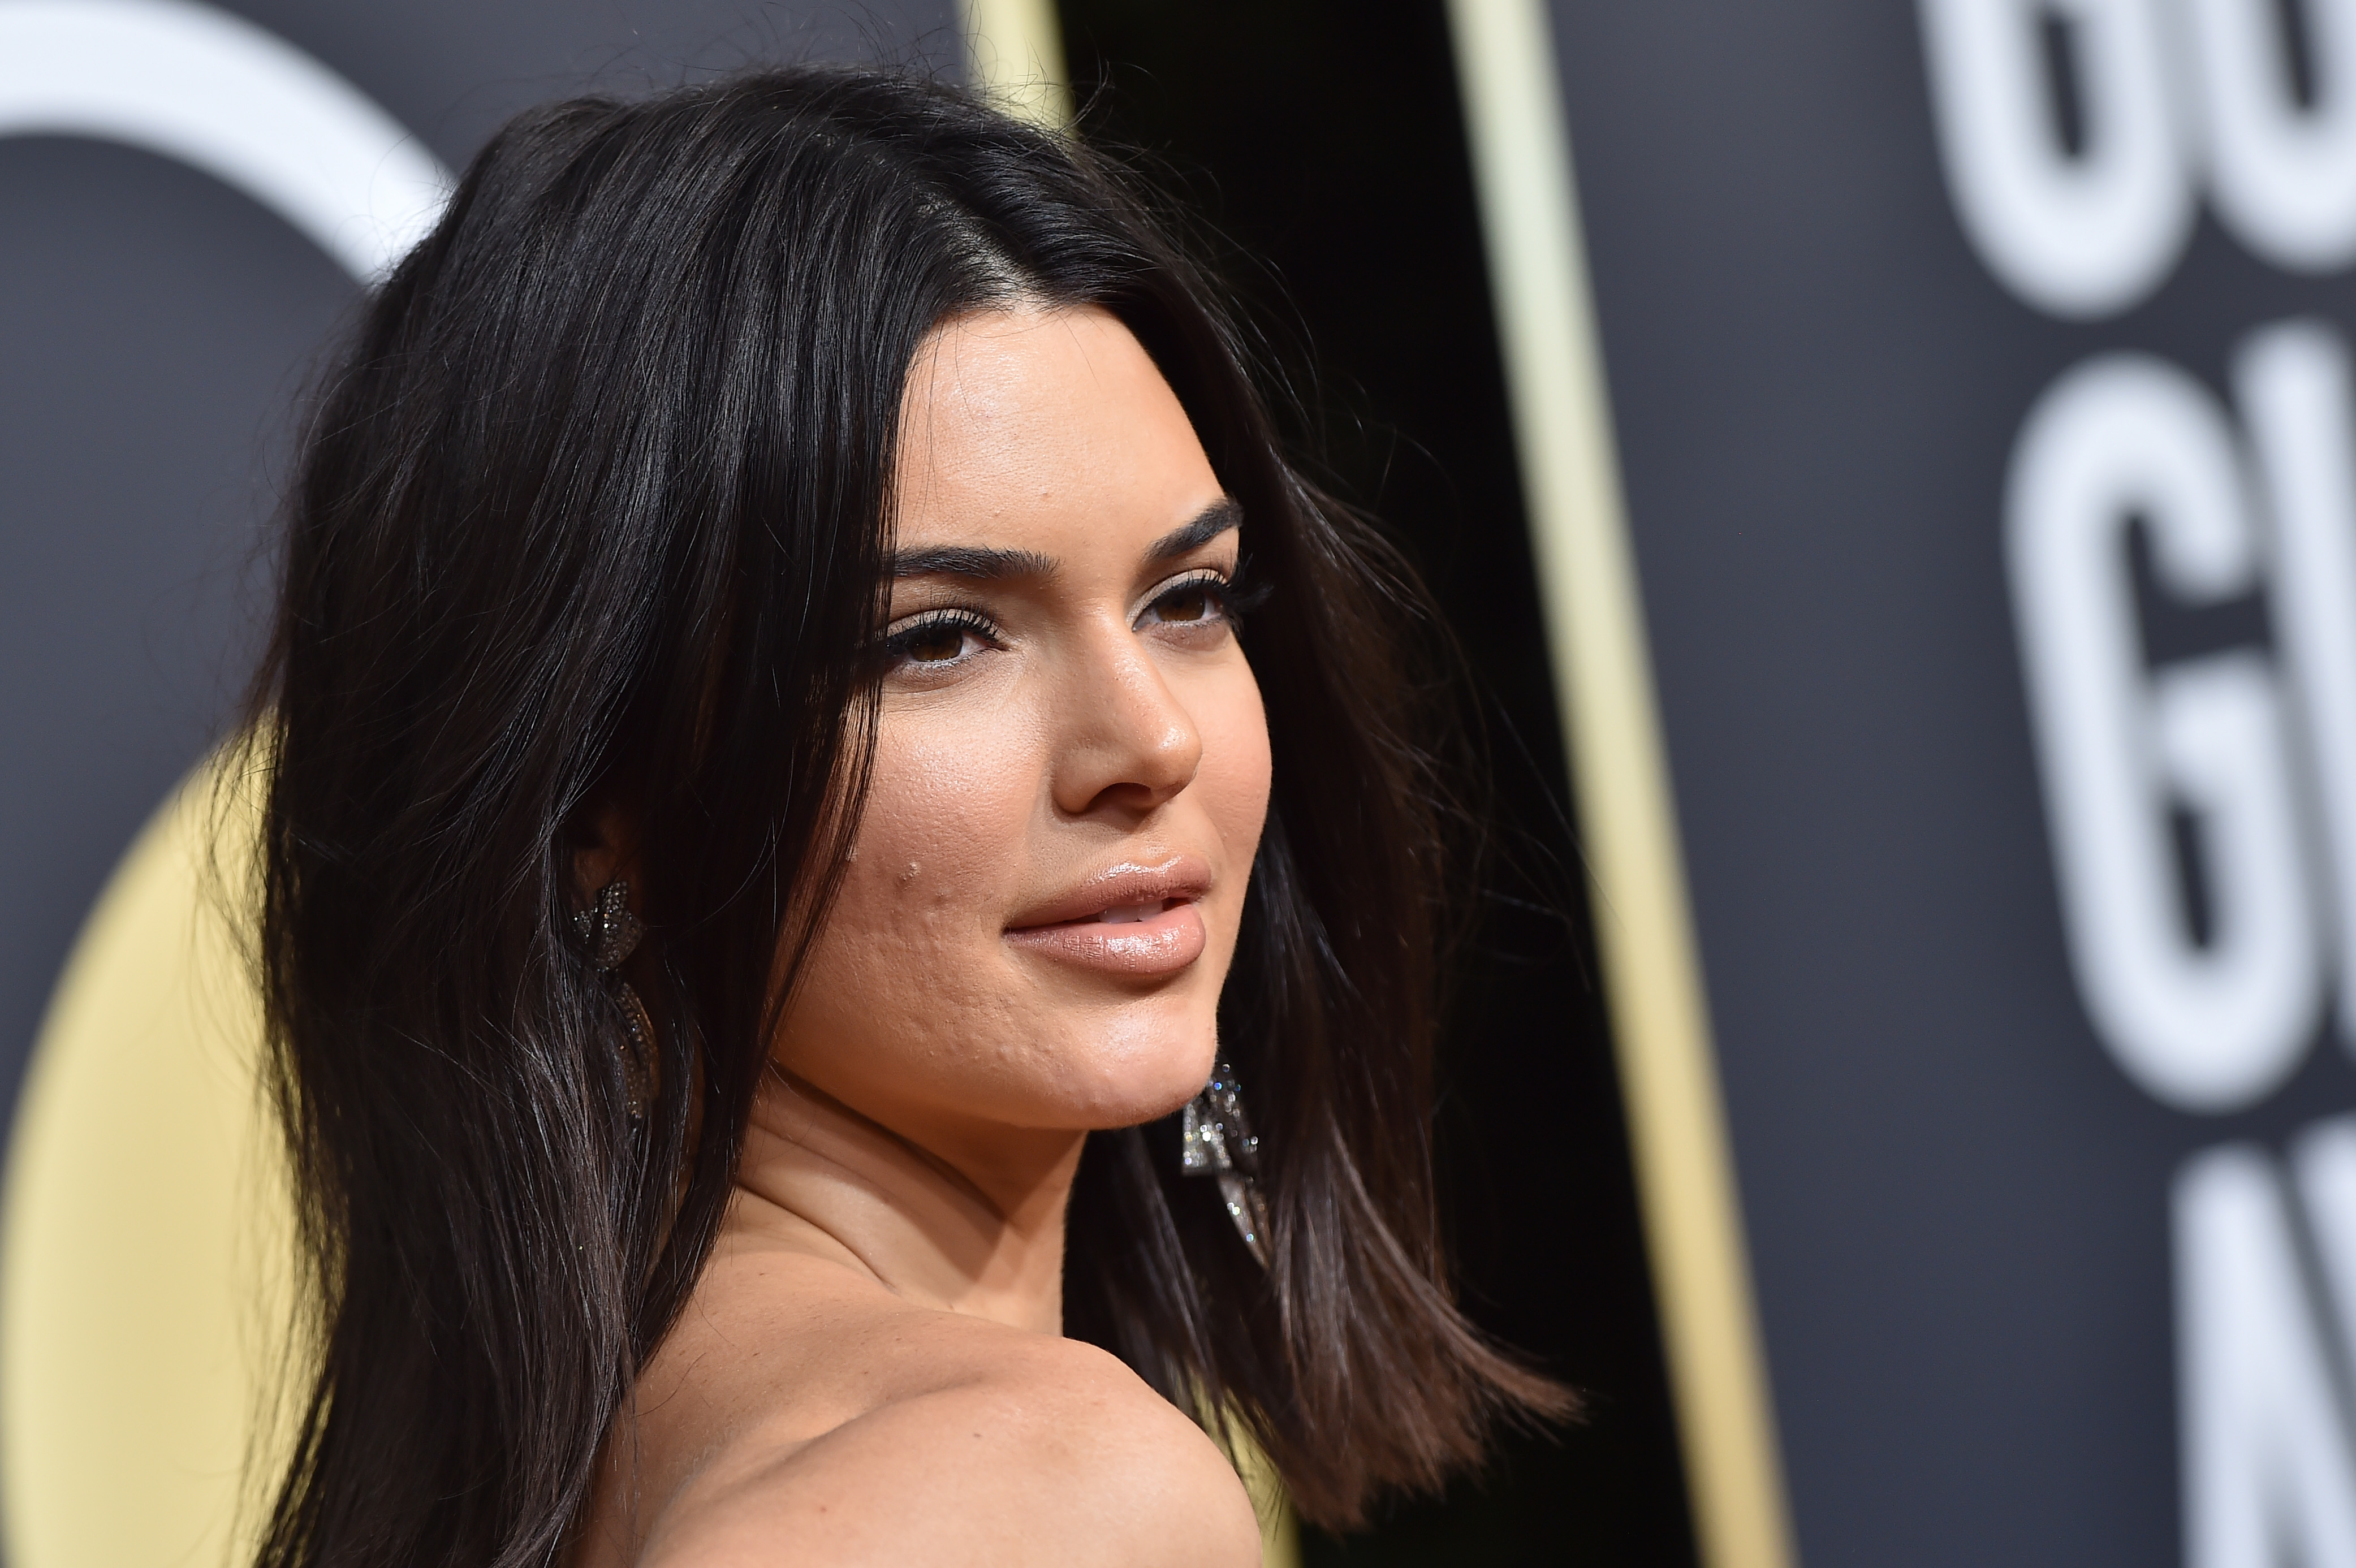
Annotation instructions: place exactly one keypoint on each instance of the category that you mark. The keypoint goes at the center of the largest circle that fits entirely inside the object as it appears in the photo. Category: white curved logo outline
(214, 91)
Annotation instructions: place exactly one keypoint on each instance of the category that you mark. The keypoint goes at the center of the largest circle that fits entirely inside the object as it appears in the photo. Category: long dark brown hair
(593, 512)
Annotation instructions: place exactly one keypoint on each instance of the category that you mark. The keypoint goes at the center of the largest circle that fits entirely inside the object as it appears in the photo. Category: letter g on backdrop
(2202, 811)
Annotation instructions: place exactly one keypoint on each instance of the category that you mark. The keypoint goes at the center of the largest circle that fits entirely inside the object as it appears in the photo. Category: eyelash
(1216, 584)
(900, 645)
(1233, 597)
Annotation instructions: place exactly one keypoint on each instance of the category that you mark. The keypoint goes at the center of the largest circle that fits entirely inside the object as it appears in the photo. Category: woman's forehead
(1046, 431)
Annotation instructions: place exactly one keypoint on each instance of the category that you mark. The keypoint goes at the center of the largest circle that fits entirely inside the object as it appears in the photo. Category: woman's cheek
(905, 945)
(945, 821)
(1236, 763)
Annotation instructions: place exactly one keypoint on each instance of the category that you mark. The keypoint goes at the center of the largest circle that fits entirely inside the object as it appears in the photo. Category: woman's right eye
(939, 643)
(934, 644)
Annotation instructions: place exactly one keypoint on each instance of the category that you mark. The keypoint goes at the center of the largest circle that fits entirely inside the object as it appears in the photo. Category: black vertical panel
(1322, 143)
(155, 329)
(1957, 1204)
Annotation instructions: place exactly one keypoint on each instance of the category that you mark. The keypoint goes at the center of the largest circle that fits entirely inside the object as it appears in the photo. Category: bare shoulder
(1059, 1455)
(800, 1414)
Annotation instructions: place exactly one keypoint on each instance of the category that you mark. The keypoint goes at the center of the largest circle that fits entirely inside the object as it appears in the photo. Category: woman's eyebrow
(986, 565)
(1209, 524)
(975, 561)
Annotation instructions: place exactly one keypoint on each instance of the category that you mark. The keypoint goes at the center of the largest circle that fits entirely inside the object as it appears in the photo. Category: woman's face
(1072, 763)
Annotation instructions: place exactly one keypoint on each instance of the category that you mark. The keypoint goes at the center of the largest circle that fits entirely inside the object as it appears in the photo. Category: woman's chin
(1137, 1087)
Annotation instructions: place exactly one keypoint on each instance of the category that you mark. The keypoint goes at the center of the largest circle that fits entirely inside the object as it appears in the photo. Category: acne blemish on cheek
(910, 874)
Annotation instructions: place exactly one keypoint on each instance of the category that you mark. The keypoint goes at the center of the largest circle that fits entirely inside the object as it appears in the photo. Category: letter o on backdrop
(2081, 236)
(2281, 177)
(142, 1287)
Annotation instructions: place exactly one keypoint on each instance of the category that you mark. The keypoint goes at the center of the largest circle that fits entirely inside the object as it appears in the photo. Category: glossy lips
(1129, 920)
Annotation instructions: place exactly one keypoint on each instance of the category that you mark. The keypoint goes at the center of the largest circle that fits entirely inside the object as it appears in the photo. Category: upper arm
(1059, 1455)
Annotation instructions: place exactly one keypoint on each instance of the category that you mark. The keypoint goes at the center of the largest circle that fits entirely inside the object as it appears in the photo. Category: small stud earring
(611, 933)
(1216, 1140)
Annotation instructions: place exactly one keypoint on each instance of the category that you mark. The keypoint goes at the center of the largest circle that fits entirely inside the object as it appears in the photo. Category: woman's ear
(604, 848)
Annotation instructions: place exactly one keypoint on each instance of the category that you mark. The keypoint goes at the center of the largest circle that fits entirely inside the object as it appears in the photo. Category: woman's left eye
(1192, 603)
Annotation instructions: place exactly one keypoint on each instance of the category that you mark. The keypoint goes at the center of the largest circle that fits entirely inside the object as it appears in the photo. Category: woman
(776, 823)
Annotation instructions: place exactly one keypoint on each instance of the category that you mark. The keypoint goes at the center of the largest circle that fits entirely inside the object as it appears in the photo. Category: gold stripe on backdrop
(145, 1257)
(1017, 50)
(1522, 165)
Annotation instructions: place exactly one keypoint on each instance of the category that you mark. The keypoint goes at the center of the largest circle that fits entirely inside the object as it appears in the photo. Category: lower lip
(1161, 946)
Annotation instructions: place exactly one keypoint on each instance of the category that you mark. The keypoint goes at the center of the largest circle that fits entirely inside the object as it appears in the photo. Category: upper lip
(1184, 878)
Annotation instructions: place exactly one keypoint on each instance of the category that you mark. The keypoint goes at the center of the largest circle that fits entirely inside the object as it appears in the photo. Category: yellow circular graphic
(143, 1262)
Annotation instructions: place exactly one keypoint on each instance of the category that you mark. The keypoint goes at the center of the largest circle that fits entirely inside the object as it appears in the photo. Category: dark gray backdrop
(154, 328)
(1957, 1204)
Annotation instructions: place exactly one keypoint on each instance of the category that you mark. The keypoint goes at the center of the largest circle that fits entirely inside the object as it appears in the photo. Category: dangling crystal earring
(1216, 1139)
(612, 933)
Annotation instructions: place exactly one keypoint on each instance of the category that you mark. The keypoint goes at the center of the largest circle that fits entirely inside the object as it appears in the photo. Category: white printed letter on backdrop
(2204, 1025)
(2293, 383)
(2282, 175)
(2078, 234)
(2269, 1471)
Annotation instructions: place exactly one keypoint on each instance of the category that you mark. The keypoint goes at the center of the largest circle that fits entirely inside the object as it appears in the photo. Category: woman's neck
(964, 1221)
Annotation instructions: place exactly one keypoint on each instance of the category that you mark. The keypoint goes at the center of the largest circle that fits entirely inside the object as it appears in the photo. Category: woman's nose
(1128, 743)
